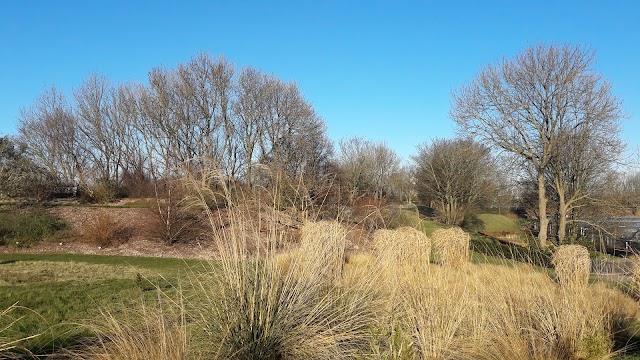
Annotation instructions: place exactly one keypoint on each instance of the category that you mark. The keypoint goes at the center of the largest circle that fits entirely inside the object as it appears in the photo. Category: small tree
(454, 176)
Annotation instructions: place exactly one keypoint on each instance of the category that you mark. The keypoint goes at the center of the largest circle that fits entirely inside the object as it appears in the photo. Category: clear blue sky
(383, 70)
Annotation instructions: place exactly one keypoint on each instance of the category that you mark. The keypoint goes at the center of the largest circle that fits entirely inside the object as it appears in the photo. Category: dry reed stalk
(634, 274)
(572, 266)
(452, 246)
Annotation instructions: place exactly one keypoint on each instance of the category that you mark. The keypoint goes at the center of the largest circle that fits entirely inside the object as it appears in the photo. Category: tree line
(203, 116)
(542, 128)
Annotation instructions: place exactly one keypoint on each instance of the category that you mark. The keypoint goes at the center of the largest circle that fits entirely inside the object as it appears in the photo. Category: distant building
(611, 234)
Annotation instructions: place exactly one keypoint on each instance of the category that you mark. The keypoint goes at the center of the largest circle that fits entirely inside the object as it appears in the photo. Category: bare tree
(251, 110)
(50, 131)
(94, 101)
(454, 176)
(19, 175)
(367, 167)
(521, 105)
(579, 169)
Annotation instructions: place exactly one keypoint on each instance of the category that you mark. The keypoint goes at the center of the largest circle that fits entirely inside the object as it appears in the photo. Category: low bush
(103, 191)
(104, 230)
(472, 222)
(25, 226)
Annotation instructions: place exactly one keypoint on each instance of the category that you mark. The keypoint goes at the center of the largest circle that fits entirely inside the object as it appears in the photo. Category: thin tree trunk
(562, 217)
(542, 211)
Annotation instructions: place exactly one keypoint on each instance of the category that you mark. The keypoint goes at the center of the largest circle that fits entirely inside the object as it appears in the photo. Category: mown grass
(498, 223)
(163, 266)
(57, 292)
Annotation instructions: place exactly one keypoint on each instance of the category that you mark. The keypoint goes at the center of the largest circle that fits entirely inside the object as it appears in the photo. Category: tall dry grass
(262, 301)
(9, 319)
(572, 265)
(499, 312)
(255, 306)
(158, 331)
(404, 246)
(323, 244)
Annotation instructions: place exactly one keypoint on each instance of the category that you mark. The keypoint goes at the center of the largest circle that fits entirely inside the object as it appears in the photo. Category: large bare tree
(521, 105)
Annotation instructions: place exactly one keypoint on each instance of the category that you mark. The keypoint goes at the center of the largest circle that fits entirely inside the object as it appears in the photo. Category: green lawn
(499, 223)
(55, 292)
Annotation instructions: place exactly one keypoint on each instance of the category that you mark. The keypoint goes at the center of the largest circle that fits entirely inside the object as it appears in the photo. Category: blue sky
(383, 70)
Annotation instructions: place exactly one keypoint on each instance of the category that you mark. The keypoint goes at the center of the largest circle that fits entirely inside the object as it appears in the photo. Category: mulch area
(140, 242)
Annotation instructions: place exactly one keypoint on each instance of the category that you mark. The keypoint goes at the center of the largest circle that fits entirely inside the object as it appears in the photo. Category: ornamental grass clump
(323, 243)
(147, 332)
(403, 249)
(451, 246)
(254, 305)
(572, 266)
(634, 274)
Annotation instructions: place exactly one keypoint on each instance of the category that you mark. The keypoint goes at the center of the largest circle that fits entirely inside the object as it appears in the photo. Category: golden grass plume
(572, 266)
(451, 246)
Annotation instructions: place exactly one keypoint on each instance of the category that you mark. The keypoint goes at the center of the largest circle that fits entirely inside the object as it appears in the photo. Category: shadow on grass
(490, 247)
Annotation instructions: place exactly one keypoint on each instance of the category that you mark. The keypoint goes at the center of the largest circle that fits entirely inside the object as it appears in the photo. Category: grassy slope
(495, 222)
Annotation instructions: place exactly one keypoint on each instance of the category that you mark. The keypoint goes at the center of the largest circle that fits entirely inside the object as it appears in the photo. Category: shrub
(104, 230)
(169, 221)
(103, 191)
(136, 184)
(472, 222)
(452, 246)
(27, 226)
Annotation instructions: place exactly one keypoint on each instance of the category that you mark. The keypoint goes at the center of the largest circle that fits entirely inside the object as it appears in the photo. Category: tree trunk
(562, 218)
(542, 211)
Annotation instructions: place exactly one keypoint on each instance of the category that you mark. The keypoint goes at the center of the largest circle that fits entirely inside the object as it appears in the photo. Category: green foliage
(23, 227)
(390, 341)
(52, 304)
